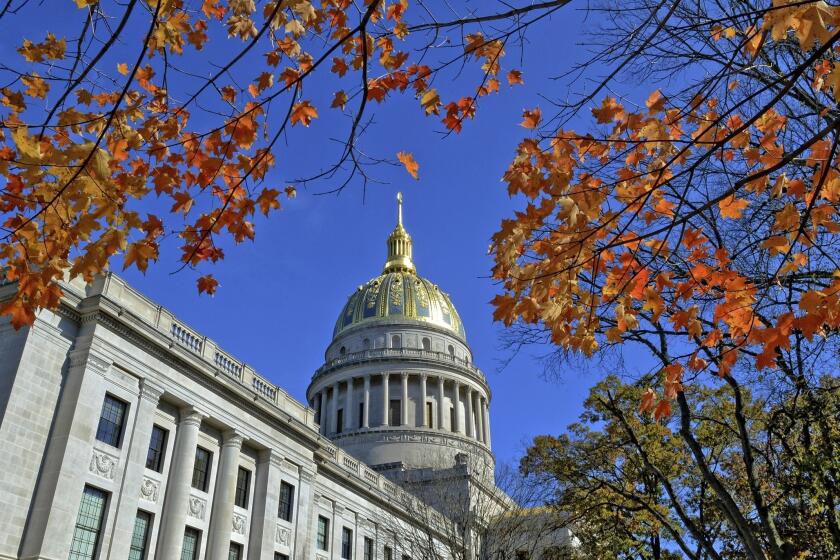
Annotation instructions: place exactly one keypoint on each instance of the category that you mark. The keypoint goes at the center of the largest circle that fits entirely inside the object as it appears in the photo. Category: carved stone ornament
(238, 523)
(104, 465)
(198, 507)
(149, 489)
(281, 535)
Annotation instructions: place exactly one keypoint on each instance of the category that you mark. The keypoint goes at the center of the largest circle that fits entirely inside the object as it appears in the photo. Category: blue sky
(280, 295)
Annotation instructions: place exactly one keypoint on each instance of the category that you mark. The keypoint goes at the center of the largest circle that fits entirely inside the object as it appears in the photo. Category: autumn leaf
(731, 207)
(207, 284)
(303, 113)
(408, 161)
(531, 119)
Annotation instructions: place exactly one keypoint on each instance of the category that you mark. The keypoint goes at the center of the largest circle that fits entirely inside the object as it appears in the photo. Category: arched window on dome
(451, 350)
(396, 341)
(427, 343)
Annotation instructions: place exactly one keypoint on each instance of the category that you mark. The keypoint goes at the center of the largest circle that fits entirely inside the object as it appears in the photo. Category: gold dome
(399, 293)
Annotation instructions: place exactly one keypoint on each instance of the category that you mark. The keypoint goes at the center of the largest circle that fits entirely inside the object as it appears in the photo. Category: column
(173, 518)
(385, 399)
(404, 399)
(266, 498)
(468, 400)
(334, 409)
(456, 397)
(366, 409)
(348, 406)
(440, 404)
(323, 417)
(138, 442)
(424, 421)
(55, 504)
(487, 423)
(304, 518)
(479, 417)
(221, 515)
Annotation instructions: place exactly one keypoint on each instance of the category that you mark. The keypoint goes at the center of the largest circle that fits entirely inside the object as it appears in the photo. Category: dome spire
(399, 246)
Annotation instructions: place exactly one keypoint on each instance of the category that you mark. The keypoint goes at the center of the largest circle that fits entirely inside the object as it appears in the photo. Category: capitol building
(127, 434)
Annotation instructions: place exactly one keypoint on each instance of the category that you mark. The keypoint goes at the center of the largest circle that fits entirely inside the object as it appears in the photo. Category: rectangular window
(395, 413)
(287, 501)
(88, 529)
(157, 449)
(368, 548)
(243, 484)
(192, 538)
(140, 536)
(235, 552)
(361, 414)
(339, 420)
(323, 533)
(347, 543)
(278, 556)
(389, 554)
(111, 421)
(427, 421)
(201, 469)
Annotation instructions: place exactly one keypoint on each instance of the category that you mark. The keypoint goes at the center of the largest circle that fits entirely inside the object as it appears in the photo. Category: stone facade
(109, 341)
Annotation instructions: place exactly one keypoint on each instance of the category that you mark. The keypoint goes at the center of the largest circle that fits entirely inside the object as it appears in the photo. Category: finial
(399, 208)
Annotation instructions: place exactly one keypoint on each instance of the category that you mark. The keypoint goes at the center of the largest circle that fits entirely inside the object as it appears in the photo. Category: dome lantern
(399, 246)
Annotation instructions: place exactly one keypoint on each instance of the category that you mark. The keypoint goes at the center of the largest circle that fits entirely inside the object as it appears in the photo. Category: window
(287, 501)
(278, 556)
(140, 536)
(427, 344)
(368, 548)
(323, 533)
(111, 421)
(235, 552)
(85, 542)
(339, 420)
(157, 449)
(201, 469)
(189, 550)
(389, 554)
(395, 413)
(427, 421)
(243, 484)
(361, 414)
(346, 543)
(396, 342)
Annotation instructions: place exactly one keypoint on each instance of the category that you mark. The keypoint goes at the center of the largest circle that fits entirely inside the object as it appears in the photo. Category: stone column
(386, 399)
(440, 403)
(304, 517)
(348, 406)
(138, 441)
(334, 409)
(221, 515)
(468, 401)
(173, 518)
(366, 410)
(323, 417)
(266, 498)
(424, 422)
(404, 399)
(55, 504)
(456, 397)
(487, 423)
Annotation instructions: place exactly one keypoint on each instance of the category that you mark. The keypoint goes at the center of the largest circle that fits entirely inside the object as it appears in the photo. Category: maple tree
(696, 222)
(132, 103)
